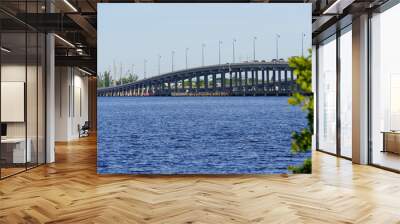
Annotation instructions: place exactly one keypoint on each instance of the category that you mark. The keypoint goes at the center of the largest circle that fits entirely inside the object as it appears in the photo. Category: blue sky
(128, 34)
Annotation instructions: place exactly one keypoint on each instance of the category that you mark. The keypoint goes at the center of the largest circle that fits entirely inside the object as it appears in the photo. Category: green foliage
(302, 140)
(127, 79)
(105, 79)
(306, 167)
(100, 80)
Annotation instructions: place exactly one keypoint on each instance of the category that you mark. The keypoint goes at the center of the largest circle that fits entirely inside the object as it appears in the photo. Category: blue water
(197, 135)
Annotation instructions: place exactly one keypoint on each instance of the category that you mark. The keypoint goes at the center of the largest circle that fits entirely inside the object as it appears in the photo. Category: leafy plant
(306, 167)
(303, 97)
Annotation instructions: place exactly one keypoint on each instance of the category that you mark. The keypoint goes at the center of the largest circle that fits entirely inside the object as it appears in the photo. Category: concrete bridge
(231, 79)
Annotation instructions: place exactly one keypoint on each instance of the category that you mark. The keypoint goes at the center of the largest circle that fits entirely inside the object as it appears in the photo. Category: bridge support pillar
(286, 82)
(236, 79)
(279, 81)
(190, 84)
(197, 83)
(254, 81)
(268, 81)
(206, 83)
(230, 81)
(214, 80)
(253, 78)
(246, 82)
(240, 80)
(291, 75)
(263, 81)
(222, 81)
(274, 81)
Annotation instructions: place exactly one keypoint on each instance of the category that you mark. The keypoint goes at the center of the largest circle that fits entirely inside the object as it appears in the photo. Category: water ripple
(197, 135)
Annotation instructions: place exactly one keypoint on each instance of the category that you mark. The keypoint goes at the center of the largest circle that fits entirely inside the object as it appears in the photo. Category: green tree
(127, 79)
(107, 79)
(100, 80)
(302, 140)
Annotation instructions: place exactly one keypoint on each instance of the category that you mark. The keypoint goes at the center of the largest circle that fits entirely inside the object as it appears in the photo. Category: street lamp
(254, 48)
(277, 46)
(186, 57)
(202, 54)
(144, 68)
(172, 60)
(302, 43)
(233, 50)
(219, 51)
(120, 74)
(159, 60)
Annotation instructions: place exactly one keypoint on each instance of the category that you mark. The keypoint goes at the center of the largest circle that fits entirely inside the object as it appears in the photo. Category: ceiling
(75, 21)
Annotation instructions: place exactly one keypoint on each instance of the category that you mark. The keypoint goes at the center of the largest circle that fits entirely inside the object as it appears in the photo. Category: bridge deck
(249, 78)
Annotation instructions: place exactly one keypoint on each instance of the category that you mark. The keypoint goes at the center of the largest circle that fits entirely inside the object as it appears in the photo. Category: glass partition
(327, 95)
(22, 77)
(13, 94)
(346, 92)
(41, 96)
(385, 89)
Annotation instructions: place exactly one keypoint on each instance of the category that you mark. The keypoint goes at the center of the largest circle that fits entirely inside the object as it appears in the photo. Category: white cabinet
(19, 154)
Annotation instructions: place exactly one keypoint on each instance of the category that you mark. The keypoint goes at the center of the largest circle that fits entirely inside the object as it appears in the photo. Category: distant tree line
(106, 80)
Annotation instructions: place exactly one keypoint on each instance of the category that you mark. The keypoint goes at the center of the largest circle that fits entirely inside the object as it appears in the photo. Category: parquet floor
(70, 191)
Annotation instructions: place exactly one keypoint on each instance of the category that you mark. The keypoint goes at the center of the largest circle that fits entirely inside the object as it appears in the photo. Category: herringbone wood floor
(70, 191)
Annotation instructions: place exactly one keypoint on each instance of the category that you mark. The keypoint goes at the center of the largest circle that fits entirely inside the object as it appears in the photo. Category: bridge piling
(197, 83)
(263, 81)
(206, 83)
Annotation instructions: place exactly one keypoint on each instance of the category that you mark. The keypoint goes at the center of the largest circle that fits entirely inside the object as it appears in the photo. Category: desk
(19, 155)
(391, 141)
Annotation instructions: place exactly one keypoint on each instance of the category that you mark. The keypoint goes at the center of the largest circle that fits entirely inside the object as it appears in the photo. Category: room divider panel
(22, 77)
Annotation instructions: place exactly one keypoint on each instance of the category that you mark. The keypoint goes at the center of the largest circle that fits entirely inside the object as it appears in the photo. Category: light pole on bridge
(202, 54)
(172, 60)
(186, 57)
(159, 62)
(233, 50)
(254, 48)
(303, 35)
(144, 68)
(219, 51)
(277, 46)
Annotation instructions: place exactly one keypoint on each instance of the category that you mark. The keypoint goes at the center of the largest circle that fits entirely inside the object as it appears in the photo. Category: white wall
(71, 94)
(33, 126)
(62, 83)
(17, 73)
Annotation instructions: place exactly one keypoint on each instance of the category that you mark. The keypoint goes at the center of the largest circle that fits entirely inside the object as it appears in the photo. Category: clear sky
(128, 34)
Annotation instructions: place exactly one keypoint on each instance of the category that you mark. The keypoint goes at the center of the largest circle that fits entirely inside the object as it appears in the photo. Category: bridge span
(231, 79)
